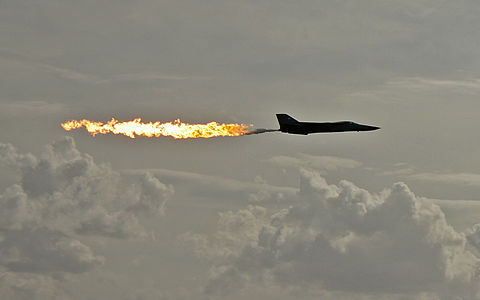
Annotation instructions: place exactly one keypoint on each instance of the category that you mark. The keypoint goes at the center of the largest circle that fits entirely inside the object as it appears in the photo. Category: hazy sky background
(269, 216)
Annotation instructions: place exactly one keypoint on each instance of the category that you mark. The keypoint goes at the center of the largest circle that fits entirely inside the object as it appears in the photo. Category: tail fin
(284, 119)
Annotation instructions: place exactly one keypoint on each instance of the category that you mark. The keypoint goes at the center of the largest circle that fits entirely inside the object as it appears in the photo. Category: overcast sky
(388, 214)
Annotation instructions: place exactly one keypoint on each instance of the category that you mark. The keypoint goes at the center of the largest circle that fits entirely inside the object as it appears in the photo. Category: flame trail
(176, 129)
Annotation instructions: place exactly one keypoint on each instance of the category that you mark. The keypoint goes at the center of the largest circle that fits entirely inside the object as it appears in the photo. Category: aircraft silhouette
(290, 125)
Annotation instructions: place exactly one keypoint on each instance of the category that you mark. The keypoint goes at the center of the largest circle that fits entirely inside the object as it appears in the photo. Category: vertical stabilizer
(284, 119)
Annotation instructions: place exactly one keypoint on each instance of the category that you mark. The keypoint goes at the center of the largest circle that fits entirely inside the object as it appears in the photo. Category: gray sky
(270, 216)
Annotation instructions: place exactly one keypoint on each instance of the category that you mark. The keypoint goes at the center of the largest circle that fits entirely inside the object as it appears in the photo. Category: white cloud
(61, 195)
(66, 189)
(17, 211)
(151, 195)
(10, 157)
(340, 238)
(117, 224)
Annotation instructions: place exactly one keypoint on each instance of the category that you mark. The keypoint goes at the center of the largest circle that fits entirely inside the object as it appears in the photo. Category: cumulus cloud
(151, 195)
(63, 188)
(44, 251)
(473, 235)
(61, 195)
(10, 157)
(16, 210)
(116, 224)
(340, 238)
(27, 286)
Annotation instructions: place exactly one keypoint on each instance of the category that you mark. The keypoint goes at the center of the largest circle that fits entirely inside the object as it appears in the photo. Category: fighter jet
(290, 125)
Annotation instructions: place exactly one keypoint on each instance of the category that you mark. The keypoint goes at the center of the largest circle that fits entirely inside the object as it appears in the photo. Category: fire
(176, 129)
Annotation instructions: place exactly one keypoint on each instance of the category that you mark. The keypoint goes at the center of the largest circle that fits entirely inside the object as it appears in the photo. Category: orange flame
(176, 129)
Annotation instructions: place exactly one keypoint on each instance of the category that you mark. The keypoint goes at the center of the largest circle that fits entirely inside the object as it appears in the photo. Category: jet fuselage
(290, 125)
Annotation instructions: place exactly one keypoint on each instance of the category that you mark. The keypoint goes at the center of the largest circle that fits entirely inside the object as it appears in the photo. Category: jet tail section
(284, 119)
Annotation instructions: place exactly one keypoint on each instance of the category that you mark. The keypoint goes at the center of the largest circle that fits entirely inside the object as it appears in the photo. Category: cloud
(473, 235)
(466, 179)
(27, 286)
(151, 195)
(10, 157)
(328, 163)
(62, 195)
(36, 107)
(317, 162)
(461, 214)
(45, 251)
(340, 238)
(200, 185)
(19, 61)
(424, 89)
(17, 211)
(399, 172)
(26, 63)
(66, 189)
(419, 83)
(152, 76)
(115, 224)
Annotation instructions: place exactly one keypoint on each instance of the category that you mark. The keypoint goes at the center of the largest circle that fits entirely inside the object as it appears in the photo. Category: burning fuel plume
(176, 129)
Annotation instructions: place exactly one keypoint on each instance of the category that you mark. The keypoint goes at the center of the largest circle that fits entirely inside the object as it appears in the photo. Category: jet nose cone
(370, 128)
